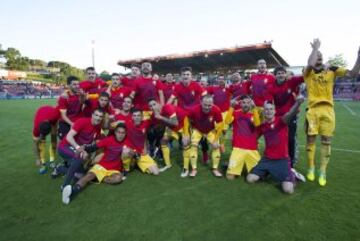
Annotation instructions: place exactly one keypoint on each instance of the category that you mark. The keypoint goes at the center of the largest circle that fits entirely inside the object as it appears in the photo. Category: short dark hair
(115, 74)
(243, 97)
(104, 94)
(120, 125)
(279, 68)
(99, 110)
(89, 68)
(134, 110)
(186, 68)
(71, 78)
(45, 128)
(135, 65)
(151, 99)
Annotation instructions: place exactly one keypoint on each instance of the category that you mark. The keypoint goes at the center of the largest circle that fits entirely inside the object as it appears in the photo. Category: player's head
(97, 116)
(280, 74)
(90, 73)
(186, 75)
(245, 103)
(115, 80)
(137, 116)
(207, 103)
(120, 131)
(127, 104)
(153, 105)
(135, 70)
(261, 65)
(146, 68)
(235, 78)
(73, 83)
(104, 99)
(44, 128)
(269, 110)
(169, 78)
(221, 80)
(319, 60)
(204, 82)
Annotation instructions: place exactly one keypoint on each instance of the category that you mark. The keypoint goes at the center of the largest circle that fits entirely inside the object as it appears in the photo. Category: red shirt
(284, 95)
(221, 97)
(72, 105)
(168, 90)
(188, 96)
(112, 153)
(245, 134)
(170, 111)
(260, 87)
(117, 96)
(86, 132)
(92, 87)
(276, 139)
(204, 122)
(123, 118)
(45, 113)
(239, 89)
(145, 89)
(128, 82)
(137, 135)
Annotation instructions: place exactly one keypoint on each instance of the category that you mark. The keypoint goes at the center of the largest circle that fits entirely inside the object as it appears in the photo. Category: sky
(63, 30)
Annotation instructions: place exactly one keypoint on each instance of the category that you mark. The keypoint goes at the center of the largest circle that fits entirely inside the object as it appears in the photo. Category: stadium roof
(227, 59)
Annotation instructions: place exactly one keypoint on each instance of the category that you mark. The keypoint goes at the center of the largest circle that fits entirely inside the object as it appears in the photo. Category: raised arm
(287, 117)
(315, 45)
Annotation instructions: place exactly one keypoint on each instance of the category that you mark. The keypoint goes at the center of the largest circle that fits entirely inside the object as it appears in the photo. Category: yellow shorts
(101, 172)
(147, 114)
(197, 135)
(320, 120)
(239, 157)
(145, 162)
(170, 134)
(225, 117)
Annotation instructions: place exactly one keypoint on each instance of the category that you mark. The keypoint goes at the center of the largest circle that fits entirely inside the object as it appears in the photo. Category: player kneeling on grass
(108, 170)
(176, 125)
(137, 129)
(71, 149)
(244, 141)
(276, 159)
(45, 122)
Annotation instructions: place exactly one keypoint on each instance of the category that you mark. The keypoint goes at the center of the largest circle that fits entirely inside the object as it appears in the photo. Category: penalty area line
(340, 149)
(349, 109)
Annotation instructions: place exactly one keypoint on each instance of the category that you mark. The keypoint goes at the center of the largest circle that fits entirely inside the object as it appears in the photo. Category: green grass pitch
(170, 208)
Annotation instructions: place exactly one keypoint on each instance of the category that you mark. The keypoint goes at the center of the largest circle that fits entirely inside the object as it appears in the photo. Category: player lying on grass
(275, 160)
(108, 170)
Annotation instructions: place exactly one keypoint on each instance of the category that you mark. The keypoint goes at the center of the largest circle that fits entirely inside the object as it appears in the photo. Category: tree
(105, 75)
(337, 60)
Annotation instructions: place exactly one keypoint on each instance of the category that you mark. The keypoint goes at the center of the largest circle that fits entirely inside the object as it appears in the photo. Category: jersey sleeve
(62, 103)
(79, 125)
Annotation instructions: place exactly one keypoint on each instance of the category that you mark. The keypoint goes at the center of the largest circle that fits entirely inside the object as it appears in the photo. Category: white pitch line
(349, 109)
(341, 149)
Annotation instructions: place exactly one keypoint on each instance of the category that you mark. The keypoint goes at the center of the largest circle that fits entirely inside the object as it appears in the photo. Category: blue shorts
(278, 169)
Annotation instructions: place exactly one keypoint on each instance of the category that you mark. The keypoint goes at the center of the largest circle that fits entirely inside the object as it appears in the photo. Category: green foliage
(105, 75)
(337, 60)
(169, 208)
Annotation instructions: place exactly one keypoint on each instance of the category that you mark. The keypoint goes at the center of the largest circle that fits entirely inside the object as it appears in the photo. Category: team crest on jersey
(223, 90)
(272, 126)
(154, 82)
(192, 92)
(211, 118)
(265, 81)
(121, 95)
(289, 91)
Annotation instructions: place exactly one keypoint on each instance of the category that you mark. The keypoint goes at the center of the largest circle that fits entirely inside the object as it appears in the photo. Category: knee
(310, 139)
(326, 140)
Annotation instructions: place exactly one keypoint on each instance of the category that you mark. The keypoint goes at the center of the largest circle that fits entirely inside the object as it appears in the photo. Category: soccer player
(177, 124)
(168, 86)
(101, 102)
(92, 85)
(117, 92)
(206, 121)
(108, 170)
(239, 87)
(188, 92)
(70, 106)
(221, 95)
(45, 122)
(320, 116)
(124, 115)
(146, 87)
(261, 83)
(71, 149)
(284, 92)
(135, 73)
(276, 155)
(244, 139)
(137, 129)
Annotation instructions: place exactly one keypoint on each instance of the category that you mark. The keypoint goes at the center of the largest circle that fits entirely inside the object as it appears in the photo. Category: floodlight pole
(93, 52)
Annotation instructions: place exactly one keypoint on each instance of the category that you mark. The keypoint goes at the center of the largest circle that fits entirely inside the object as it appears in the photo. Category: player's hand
(315, 44)
(80, 149)
(234, 103)
(84, 155)
(38, 163)
(215, 145)
(185, 140)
